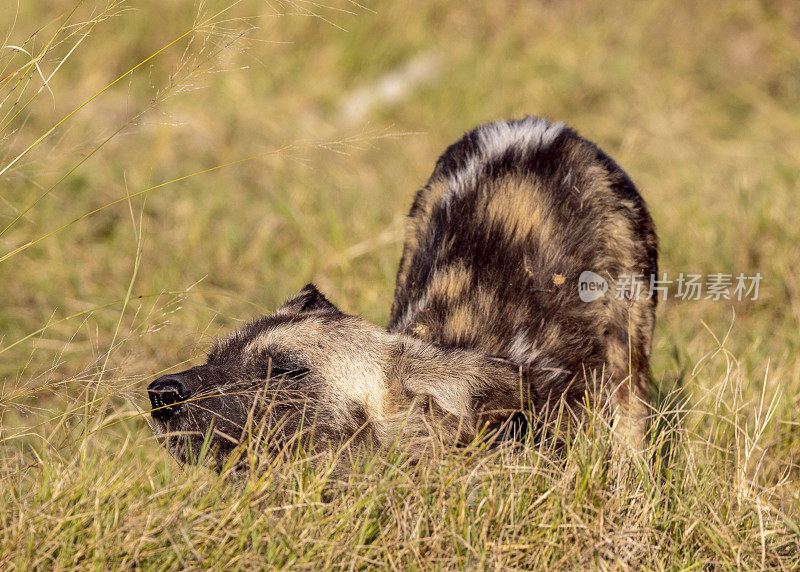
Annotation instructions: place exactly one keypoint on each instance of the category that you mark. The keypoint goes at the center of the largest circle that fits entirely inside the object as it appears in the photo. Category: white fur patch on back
(521, 350)
(530, 133)
(494, 140)
(411, 312)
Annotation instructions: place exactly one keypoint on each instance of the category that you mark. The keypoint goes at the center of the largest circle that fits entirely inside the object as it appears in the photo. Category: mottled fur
(486, 321)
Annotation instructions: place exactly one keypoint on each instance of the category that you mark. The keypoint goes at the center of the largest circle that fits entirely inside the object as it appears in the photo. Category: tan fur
(510, 207)
(351, 361)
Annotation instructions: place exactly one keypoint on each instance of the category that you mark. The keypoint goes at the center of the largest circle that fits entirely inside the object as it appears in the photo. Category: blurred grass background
(334, 114)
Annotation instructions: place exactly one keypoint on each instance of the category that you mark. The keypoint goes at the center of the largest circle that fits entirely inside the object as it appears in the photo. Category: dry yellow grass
(168, 170)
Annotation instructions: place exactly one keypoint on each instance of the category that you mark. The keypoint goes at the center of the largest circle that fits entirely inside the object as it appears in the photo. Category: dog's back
(496, 241)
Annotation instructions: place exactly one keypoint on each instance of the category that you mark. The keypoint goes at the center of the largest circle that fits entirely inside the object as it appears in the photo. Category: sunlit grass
(169, 171)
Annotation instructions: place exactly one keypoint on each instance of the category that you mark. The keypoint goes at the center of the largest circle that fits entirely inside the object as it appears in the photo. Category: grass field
(169, 170)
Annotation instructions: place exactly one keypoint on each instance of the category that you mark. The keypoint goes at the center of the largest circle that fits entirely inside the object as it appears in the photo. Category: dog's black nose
(167, 394)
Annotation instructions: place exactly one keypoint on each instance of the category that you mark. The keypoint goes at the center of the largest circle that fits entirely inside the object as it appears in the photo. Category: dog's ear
(541, 384)
(529, 407)
(307, 300)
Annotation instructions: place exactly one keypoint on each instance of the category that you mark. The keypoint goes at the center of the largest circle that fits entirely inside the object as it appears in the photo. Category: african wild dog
(486, 325)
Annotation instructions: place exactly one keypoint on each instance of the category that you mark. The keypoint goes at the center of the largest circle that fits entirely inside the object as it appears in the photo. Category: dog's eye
(274, 371)
(278, 370)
